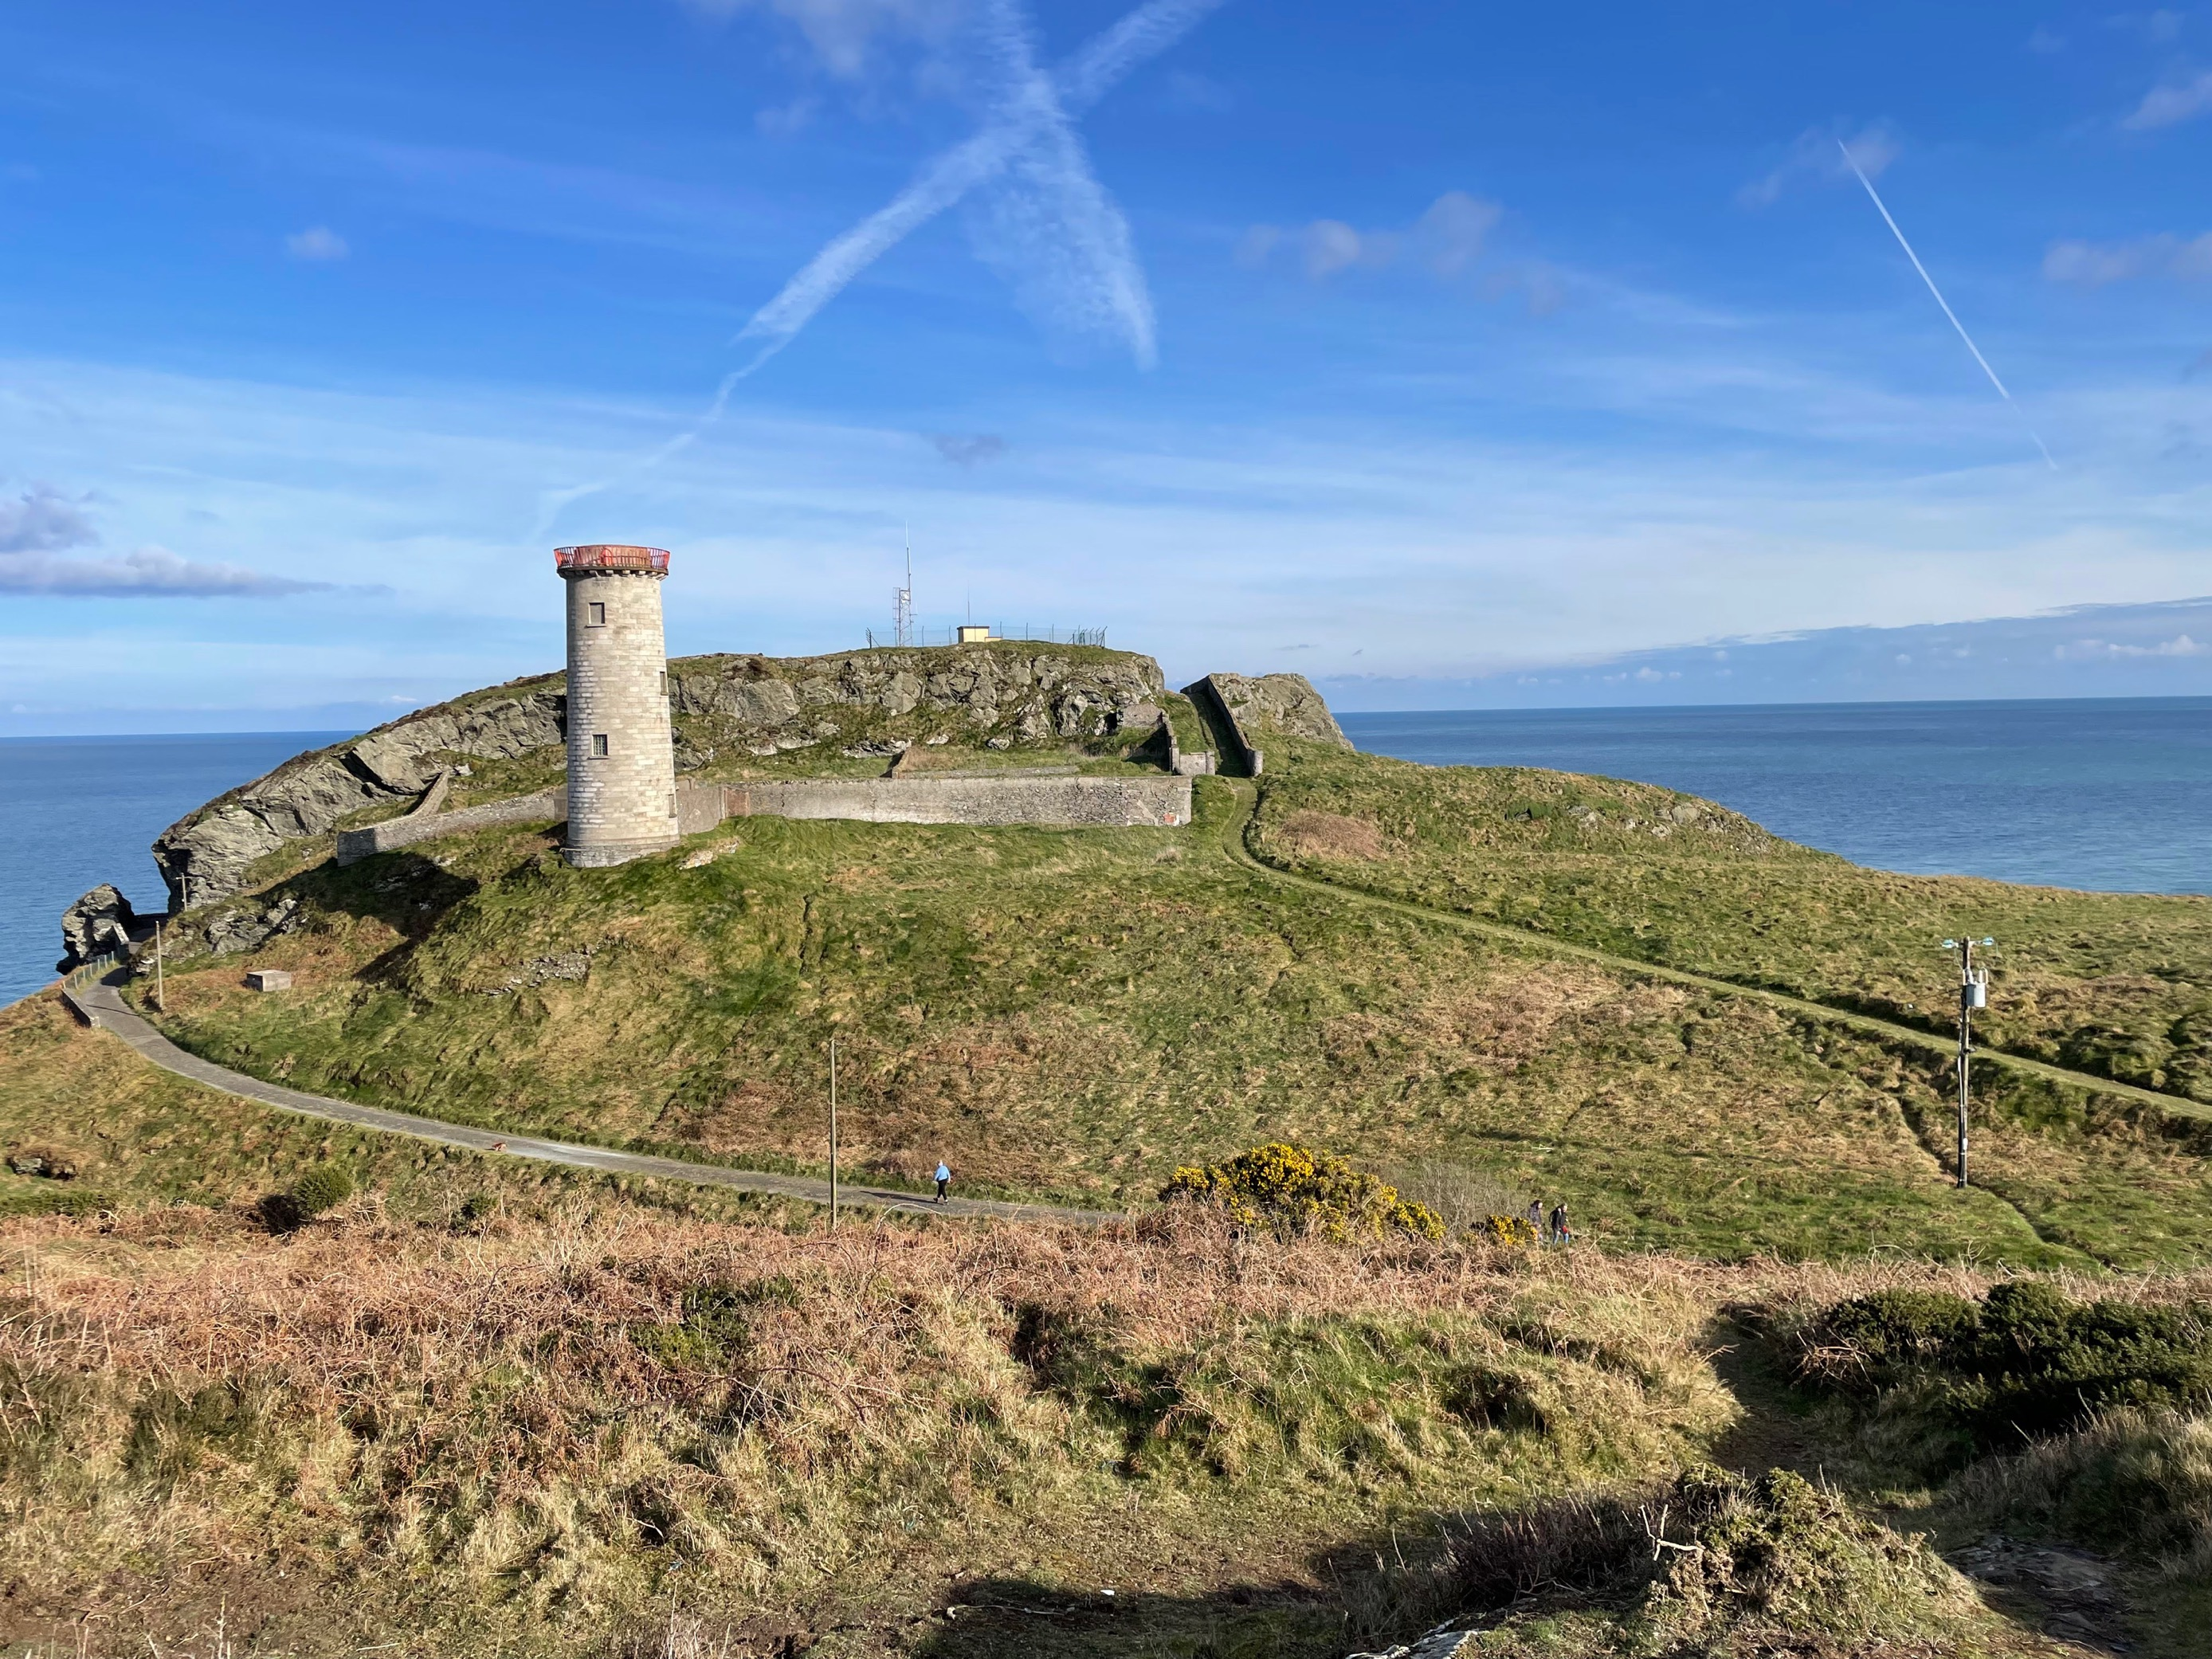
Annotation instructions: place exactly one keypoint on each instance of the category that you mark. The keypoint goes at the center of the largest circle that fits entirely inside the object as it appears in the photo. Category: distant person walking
(944, 1181)
(1536, 1216)
(1560, 1233)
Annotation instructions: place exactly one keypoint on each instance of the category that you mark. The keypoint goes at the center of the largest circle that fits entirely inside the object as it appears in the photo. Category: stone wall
(1109, 803)
(1205, 694)
(621, 773)
(547, 805)
(1270, 704)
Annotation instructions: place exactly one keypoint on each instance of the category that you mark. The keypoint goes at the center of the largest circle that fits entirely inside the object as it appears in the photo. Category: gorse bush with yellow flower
(1290, 1190)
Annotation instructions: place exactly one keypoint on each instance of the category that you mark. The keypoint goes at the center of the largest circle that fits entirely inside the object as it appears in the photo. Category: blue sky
(1447, 354)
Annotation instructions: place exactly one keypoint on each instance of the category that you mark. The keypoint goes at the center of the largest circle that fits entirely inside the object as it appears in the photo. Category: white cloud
(967, 448)
(151, 571)
(1451, 235)
(44, 520)
(2171, 105)
(2096, 264)
(2179, 646)
(1330, 246)
(1448, 239)
(845, 33)
(1815, 157)
(1256, 244)
(317, 242)
(786, 120)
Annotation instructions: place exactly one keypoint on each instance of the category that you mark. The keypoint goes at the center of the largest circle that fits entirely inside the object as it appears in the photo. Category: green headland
(479, 1405)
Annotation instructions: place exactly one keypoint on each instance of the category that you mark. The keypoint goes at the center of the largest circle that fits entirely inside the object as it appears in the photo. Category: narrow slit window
(597, 613)
(664, 681)
(599, 743)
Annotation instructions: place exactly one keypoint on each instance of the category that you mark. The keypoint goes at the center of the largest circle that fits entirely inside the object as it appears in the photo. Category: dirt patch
(1330, 835)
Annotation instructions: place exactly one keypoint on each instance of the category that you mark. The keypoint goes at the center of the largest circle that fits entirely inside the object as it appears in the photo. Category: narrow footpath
(1240, 852)
(101, 1004)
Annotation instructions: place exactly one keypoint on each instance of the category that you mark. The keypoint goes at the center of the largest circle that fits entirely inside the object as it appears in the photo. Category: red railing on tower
(603, 556)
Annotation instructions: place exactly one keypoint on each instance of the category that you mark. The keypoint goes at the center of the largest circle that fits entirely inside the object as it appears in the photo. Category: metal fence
(1026, 632)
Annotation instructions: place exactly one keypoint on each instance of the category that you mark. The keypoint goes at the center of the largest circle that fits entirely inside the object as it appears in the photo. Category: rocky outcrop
(1284, 705)
(1004, 694)
(209, 854)
(101, 920)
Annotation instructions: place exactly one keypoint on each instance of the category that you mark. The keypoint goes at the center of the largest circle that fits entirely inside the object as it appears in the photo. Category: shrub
(323, 1188)
(2028, 1363)
(1515, 1230)
(1742, 1557)
(1292, 1189)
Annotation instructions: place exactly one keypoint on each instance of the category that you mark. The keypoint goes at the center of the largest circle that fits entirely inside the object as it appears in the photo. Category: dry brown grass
(1330, 836)
(426, 1430)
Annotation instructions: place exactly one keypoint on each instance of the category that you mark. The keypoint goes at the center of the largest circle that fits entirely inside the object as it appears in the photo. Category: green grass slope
(2116, 984)
(1074, 1013)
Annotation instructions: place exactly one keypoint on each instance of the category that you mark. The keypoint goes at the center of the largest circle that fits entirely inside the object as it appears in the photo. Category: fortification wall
(1099, 803)
(1108, 803)
(355, 845)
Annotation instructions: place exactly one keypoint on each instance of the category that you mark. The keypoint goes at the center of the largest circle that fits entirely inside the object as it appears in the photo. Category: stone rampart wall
(1110, 803)
(355, 845)
(1104, 803)
(1208, 695)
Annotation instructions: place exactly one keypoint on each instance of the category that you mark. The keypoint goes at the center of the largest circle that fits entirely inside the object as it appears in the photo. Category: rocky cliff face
(1004, 695)
(1278, 703)
(208, 855)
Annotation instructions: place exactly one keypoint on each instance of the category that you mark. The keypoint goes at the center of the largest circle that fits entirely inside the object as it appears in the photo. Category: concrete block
(267, 979)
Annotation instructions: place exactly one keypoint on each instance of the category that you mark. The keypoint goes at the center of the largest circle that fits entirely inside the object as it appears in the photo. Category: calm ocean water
(2112, 794)
(77, 812)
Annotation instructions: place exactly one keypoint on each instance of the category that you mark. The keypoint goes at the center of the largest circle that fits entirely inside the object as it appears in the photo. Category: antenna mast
(903, 600)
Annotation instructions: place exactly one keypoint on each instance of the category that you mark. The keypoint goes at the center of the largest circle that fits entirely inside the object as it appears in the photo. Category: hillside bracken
(567, 1427)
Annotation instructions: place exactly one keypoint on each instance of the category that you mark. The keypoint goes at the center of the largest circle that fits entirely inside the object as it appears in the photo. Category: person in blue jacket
(944, 1181)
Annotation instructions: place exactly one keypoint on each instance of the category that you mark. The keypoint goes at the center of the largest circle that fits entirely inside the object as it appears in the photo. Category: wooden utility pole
(161, 985)
(833, 1134)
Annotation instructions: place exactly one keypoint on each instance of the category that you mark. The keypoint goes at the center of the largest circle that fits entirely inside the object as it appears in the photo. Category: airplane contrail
(1851, 162)
(1039, 111)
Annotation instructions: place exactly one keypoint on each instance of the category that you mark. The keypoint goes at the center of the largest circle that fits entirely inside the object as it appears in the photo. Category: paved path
(101, 1003)
(1928, 1042)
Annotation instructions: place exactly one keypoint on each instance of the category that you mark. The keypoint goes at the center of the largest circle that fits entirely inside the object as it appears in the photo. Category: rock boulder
(101, 920)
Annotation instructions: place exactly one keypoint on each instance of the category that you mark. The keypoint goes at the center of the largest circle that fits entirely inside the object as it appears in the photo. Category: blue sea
(2113, 793)
(77, 812)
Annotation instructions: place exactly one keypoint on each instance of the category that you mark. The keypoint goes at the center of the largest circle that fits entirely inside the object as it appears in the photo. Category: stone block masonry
(622, 766)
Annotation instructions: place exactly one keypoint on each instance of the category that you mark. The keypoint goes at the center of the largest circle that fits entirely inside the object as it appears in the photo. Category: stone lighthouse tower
(622, 762)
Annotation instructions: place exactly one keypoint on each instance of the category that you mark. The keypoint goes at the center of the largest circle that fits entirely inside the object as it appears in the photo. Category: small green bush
(323, 1188)
(1292, 1189)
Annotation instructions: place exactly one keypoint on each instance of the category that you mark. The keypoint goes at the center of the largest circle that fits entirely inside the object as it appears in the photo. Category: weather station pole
(1973, 993)
(833, 1134)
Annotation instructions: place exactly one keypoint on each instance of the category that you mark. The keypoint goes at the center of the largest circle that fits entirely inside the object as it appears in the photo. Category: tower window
(599, 743)
(664, 681)
(596, 613)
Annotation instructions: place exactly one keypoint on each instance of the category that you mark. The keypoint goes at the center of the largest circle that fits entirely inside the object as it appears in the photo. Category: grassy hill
(1073, 1014)
(2116, 984)
(483, 1408)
